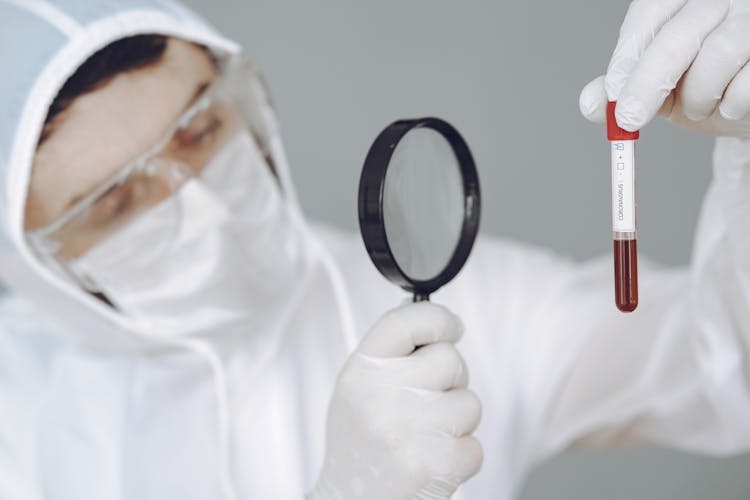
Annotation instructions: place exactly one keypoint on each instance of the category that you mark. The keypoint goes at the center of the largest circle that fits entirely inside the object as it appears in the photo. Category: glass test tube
(623, 213)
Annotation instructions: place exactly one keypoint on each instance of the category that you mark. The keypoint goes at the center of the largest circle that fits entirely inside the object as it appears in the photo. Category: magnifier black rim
(371, 212)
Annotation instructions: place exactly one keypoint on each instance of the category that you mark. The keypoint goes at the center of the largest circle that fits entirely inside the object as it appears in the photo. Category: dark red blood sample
(626, 275)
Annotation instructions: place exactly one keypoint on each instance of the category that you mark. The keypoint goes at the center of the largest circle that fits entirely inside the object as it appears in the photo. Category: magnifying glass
(419, 204)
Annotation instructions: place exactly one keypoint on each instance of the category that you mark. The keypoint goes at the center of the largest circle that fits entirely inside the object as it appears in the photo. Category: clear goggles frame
(188, 145)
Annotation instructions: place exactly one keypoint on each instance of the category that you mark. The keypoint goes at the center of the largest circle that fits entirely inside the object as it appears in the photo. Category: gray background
(508, 75)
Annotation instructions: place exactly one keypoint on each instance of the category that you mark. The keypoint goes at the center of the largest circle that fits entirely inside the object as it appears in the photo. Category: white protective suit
(92, 408)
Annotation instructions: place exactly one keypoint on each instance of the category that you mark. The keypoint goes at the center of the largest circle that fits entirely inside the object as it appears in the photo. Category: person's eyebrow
(200, 88)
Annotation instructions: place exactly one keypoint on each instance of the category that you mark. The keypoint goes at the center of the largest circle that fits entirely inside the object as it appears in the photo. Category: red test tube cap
(614, 132)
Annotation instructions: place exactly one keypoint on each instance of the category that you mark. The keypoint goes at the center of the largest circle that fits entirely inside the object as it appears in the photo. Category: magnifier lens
(423, 202)
(419, 204)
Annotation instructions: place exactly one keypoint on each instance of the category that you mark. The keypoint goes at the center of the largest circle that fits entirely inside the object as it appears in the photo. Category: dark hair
(126, 54)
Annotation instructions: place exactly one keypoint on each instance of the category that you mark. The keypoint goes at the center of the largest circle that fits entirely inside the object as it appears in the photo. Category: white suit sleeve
(676, 372)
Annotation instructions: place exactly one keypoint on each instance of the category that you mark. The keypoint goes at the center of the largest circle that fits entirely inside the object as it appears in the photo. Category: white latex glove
(400, 420)
(683, 59)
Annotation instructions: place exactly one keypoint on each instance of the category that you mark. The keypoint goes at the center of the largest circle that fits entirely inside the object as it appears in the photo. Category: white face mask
(224, 249)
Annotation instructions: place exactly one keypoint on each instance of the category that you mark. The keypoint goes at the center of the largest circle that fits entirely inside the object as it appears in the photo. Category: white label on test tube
(623, 186)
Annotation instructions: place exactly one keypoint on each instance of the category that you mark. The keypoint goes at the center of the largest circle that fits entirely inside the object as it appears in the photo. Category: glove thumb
(593, 101)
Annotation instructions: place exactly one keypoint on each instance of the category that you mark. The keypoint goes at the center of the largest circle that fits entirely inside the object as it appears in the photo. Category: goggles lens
(110, 211)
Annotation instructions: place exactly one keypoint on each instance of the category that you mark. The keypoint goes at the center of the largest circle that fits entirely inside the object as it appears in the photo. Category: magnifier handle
(420, 297)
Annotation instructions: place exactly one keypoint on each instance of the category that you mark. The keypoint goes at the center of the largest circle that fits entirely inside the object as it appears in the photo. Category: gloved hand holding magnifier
(401, 418)
(419, 204)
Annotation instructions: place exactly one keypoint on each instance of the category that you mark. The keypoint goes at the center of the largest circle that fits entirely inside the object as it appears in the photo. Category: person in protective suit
(174, 327)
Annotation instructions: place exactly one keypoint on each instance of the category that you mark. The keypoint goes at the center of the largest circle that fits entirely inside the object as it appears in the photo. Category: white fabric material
(50, 13)
(91, 407)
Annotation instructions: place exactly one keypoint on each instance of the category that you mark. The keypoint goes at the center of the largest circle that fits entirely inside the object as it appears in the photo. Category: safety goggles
(189, 144)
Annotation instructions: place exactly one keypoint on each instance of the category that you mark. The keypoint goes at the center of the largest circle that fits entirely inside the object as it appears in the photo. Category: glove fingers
(642, 21)
(666, 60)
(736, 103)
(593, 102)
(436, 367)
(714, 125)
(455, 414)
(724, 53)
(456, 460)
(469, 456)
(403, 329)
